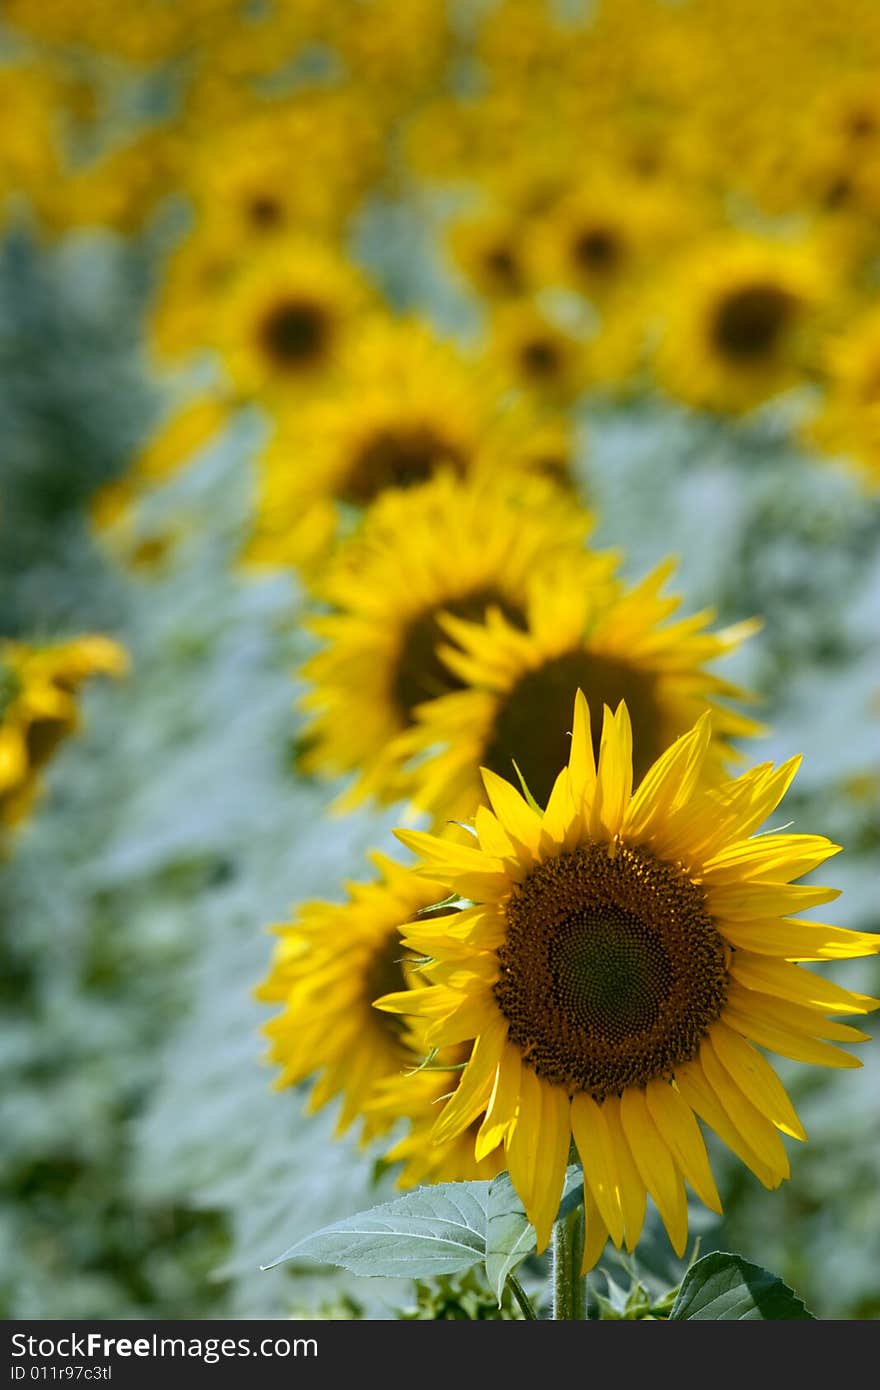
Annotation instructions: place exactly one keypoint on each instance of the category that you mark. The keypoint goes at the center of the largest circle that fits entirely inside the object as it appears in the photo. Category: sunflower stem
(569, 1287)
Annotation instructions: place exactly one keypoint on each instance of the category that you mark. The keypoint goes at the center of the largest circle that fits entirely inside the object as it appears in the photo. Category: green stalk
(569, 1287)
(522, 1298)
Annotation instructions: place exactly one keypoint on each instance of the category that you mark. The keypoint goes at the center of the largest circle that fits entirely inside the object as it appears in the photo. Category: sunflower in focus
(38, 709)
(626, 955)
(284, 319)
(447, 548)
(406, 405)
(515, 686)
(330, 964)
(737, 323)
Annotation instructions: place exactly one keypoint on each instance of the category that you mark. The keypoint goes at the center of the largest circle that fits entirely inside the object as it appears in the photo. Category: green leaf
(726, 1288)
(509, 1237)
(433, 1230)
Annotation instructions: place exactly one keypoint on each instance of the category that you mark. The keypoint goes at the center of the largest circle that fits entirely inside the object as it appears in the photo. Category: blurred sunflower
(624, 952)
(609, 232)
(546, 360)
(491, 250)
(405, 406)
(515, 687)
(38, 709)
(329, 966)
(447, 548)
(283, 319)
(737, 321)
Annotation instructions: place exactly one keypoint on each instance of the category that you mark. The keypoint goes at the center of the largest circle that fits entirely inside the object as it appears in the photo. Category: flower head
(626, 951)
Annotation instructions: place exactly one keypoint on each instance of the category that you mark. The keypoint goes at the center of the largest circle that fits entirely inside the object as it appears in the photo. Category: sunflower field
(439, 633)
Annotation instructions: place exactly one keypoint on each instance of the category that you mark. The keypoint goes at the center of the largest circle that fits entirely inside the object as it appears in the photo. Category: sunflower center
(294, 332)
(399, 456)
(501, 266)
(612, 970)
(540, 358)
(264, 211)
(750, 321)
(597, 249)
(533, 723)
(420, 673)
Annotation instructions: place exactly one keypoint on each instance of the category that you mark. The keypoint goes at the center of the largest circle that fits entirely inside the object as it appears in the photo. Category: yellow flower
(737, 321)
(405, 404)
(38, 709)
(492, 251)
(447, 547)
(515, 686)
(329, 966)
(283, 319)
(544, 358)
(625, 952)
(608, 233)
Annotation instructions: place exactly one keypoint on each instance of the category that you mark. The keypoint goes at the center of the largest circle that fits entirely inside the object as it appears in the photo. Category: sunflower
(329, 966)
(405, 405)
(606, 235)
(283, 320)
(737, 323)
(541, 355)
(492, 252)
(624, 953)
(448, 547)
(38, 709)
(516, 685)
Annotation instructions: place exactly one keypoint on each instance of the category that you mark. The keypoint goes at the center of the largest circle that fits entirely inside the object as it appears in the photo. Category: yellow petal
(788, 1043)
(613, 775)
(655, 1165)
(555, 1140)
(695, 1089)
(581, 762)
(632, 1188)
(503, 1102)
(522, 824)
(680, 1132)
(757, 1131)
(590, 1129)
(741, 901)
(795, 939)
(524, 1141)
(560, 828)
(595, 1234)
(756, 1079)
(472, 1094)
(669, 782)
(468, 871)
(798, 985)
